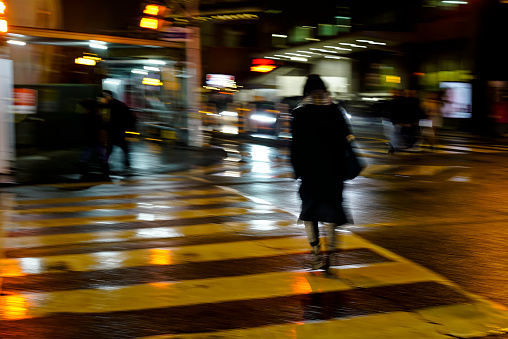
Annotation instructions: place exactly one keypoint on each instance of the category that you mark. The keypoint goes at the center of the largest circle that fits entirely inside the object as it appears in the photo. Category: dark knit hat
(108, 92)
(314, 83)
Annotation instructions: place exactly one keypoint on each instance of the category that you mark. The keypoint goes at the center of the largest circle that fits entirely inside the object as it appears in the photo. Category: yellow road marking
(145, 216)
(155, 205)
(470, 320)
(380, 326)
(166, 294)
(97, 183)
(164, 256)
(250, 227)
(168, 194)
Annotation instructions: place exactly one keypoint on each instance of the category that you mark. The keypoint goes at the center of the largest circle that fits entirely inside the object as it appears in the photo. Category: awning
(64, 38)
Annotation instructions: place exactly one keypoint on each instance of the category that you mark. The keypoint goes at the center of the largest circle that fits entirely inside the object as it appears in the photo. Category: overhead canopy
(43, 36)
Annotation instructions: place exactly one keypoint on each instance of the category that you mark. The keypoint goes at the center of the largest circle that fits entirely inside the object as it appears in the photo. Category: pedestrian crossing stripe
(163, 256)
(167, 294)
(135, 206)
(408, 170)
(104, 183)
(147, 195)
(144, 216)
(441, 322)
(251, 227)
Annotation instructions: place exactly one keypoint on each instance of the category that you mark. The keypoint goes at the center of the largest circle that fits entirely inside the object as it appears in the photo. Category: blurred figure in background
(319, 137)
(499, 111)
(433, 119)
(405, 116)
(121, 119)
(396, 112)
(94, 138)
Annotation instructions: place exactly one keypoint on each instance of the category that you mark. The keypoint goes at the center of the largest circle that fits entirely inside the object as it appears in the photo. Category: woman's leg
(331, 242)
(312, 230)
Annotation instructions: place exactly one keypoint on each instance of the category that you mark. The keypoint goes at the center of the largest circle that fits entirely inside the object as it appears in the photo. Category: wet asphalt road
(218, 248)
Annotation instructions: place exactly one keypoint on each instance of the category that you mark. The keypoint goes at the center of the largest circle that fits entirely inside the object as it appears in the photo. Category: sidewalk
(147, 158)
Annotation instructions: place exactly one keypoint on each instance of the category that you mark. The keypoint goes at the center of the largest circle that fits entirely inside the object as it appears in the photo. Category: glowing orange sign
(151, 10)
(149, 23)
(262, 65)
(83, 61)
(263, 68)
(393, 79)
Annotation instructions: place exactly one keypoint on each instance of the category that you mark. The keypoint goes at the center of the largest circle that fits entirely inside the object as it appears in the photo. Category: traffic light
(153, 16)
(3, 21)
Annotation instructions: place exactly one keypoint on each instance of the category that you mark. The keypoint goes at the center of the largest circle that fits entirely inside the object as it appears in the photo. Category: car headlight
(263, 118)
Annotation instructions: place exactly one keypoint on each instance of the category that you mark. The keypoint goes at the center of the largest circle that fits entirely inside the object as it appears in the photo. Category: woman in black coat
(319, 138)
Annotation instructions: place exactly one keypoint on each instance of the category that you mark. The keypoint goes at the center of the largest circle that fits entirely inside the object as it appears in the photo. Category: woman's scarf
(320, 98)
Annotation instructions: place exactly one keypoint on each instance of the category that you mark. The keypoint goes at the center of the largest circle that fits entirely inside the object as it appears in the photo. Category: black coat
(121, 119)
(318, 141)
(318, 157)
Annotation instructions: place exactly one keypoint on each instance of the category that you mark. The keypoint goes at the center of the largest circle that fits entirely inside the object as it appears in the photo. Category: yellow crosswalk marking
(107, 183)
(147, 216)
(380, 326)
(166, 294)
(167, 194)
(250, 227)
(458, 321)
(138, 205)
(165, 256)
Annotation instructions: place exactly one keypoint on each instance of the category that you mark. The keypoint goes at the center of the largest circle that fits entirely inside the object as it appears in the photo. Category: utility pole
(7, 149)
(193, 56)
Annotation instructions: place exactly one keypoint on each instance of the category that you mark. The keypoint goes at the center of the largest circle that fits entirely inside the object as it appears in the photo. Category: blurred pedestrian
(319, 138)
(94, 137)
(121, 119)
(395, 108)
(405, 116)
(433, 119)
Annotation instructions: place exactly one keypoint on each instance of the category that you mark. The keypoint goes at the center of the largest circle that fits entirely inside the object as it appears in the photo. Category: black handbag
(353, 165)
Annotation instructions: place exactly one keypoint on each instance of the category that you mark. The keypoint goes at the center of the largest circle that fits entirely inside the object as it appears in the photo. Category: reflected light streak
(232, 174)
(260, 153)
(14, 307)
(30, 265)
(11, 270)
(160, 256)
(229, 130)
(109, 260)
(158, 233)
(300, 285)
(263, 225)
(261, 167)
(146, 216)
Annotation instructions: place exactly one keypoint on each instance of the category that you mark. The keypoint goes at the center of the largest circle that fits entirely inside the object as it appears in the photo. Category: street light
(3, 21)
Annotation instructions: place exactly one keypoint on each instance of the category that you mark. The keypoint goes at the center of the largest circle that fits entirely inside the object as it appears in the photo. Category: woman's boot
(311, 228)
(317, 261)
(331, 243)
